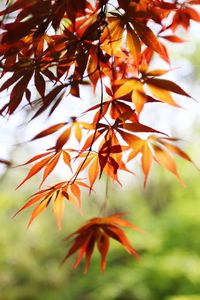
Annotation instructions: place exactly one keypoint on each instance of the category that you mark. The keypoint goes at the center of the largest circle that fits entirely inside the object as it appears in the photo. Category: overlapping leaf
(157, 149)
(48, 162)
(160, 89)
(98, 231)
(56, 194)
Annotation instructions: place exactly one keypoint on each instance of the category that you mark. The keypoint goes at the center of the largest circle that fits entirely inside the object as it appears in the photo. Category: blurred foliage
(169, 268)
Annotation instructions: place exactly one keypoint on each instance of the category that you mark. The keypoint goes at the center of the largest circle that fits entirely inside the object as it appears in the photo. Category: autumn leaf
(133, 43)
(99, 231)
(57, 194)
(148, 38)
(48, 162)
(157, 149)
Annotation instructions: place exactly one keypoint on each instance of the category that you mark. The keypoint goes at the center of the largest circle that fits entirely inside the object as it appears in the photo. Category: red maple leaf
(98, 231)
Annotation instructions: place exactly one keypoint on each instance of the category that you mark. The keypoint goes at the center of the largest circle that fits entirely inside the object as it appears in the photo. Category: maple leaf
(183, 16)
(138, 87)
(56, 194)
(98, 231)
(73, 126)
(111, 37)
(48, 161)
(108, 160)
(157, 149)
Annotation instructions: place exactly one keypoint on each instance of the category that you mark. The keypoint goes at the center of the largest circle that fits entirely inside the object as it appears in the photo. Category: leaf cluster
(60, 46)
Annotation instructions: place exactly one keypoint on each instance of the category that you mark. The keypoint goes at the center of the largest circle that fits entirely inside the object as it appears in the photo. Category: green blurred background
(169, 267)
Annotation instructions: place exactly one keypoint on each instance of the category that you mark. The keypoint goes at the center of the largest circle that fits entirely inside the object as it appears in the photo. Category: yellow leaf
(78, 132)
(133, 43)
(111, 37)
(137, 148)
(126, 88)
(162, 95)
(139, 97)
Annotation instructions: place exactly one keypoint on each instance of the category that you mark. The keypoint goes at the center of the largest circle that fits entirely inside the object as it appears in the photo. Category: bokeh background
(169, 265)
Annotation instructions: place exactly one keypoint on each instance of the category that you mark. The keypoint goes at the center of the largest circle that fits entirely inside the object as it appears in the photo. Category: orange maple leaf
(56, 194)
(100, 230)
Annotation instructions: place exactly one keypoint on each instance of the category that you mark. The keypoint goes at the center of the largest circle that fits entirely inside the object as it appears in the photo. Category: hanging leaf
(99, 231)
